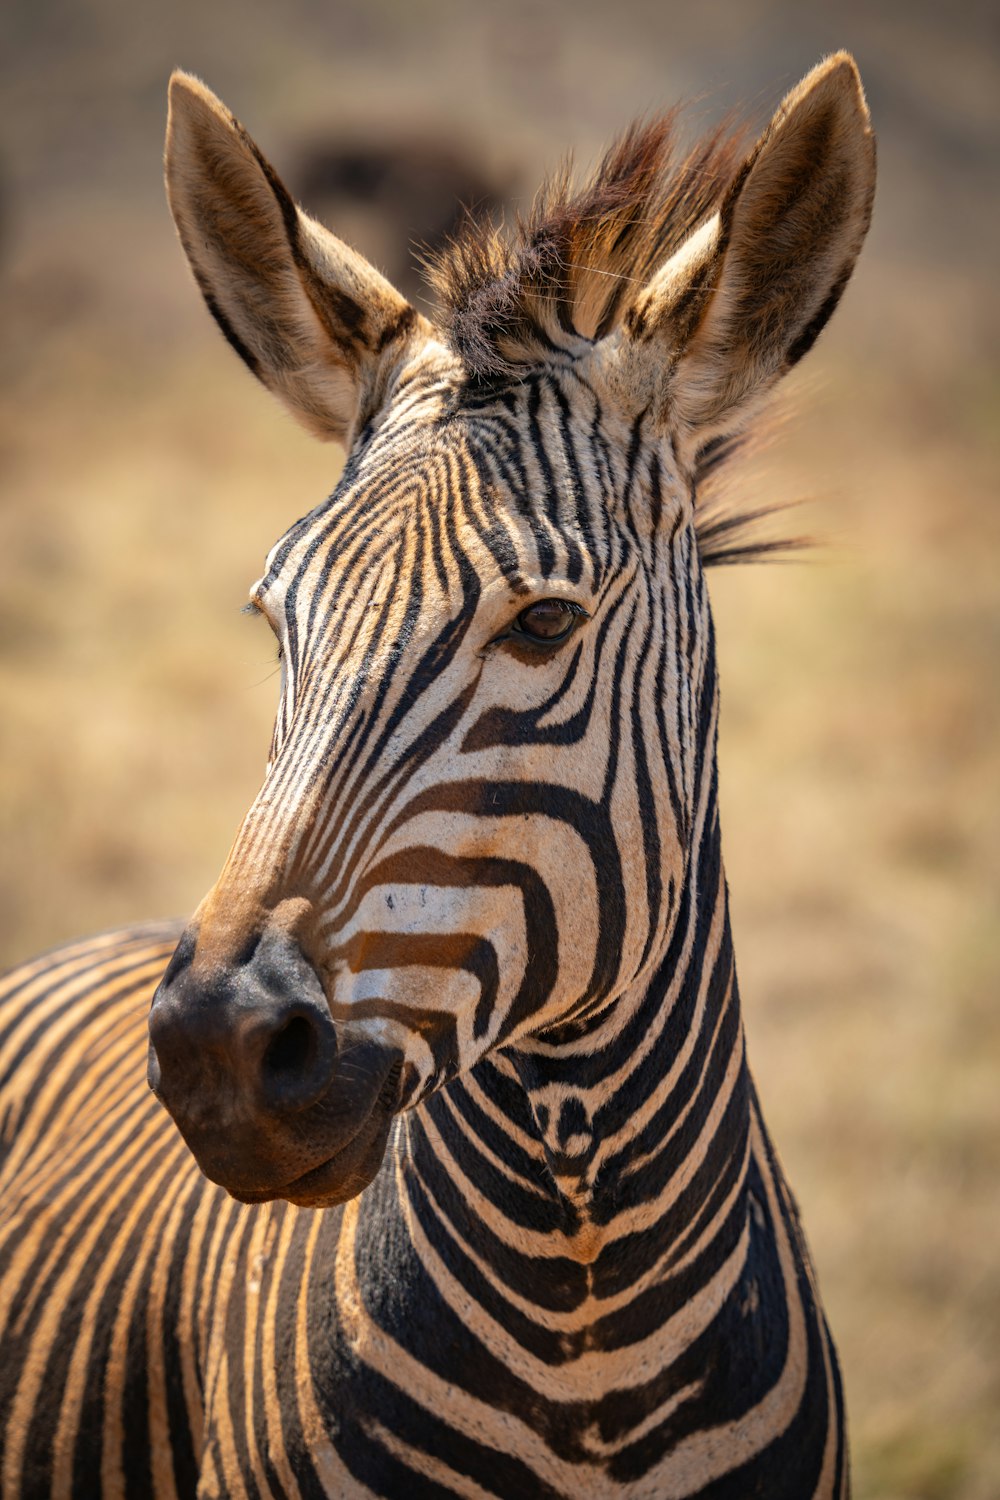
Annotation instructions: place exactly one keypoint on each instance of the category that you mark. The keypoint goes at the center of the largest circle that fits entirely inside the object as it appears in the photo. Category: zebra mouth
(350, 1169)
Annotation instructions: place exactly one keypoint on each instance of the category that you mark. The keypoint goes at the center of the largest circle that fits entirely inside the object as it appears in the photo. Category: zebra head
(494, 750)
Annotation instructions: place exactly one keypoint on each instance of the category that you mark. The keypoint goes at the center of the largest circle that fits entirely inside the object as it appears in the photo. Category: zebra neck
(629, 1145)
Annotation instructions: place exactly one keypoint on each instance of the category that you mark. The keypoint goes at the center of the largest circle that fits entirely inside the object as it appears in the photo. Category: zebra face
(482, 764)
(497, 721)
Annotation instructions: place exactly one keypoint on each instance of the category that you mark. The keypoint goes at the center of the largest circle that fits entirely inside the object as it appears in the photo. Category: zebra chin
(341, 1176)
(326, 1155)
(273, 1098)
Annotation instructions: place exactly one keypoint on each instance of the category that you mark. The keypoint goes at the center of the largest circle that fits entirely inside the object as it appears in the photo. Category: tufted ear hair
(748, 293)
(317, 324)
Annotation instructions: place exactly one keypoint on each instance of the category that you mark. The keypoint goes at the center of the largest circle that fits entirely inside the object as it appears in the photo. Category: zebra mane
(511, 294)
(728, 531)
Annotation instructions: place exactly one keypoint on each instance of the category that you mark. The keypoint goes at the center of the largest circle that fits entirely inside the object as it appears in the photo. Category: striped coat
(485, 1205)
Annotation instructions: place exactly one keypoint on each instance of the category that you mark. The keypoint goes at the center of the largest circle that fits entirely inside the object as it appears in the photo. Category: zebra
(469, 1191)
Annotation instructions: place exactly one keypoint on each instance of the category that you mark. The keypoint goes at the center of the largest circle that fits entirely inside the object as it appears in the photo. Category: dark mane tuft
(564, 272)
(729, 532)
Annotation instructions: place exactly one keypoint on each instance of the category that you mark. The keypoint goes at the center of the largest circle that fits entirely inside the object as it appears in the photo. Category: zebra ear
(749, 292)
(313, 320)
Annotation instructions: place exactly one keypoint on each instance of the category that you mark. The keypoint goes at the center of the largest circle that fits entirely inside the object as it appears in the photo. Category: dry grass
(144, 478)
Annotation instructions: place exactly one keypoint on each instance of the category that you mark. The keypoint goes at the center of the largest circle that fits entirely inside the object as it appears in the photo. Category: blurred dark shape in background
(398, 198)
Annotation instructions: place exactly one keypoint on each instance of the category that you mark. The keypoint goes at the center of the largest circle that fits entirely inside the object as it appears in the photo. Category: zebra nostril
(290, 1052)
(297, 1064)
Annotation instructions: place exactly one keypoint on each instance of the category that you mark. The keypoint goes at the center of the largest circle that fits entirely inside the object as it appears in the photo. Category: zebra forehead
(522, 487)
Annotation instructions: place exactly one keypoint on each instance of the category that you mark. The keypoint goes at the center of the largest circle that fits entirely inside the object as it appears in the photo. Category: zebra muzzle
(273, 1097)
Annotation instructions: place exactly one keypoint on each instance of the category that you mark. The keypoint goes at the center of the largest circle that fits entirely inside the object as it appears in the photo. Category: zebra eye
(549, 621)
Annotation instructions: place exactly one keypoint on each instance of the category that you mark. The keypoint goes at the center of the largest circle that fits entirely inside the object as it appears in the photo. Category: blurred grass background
(144, 477)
